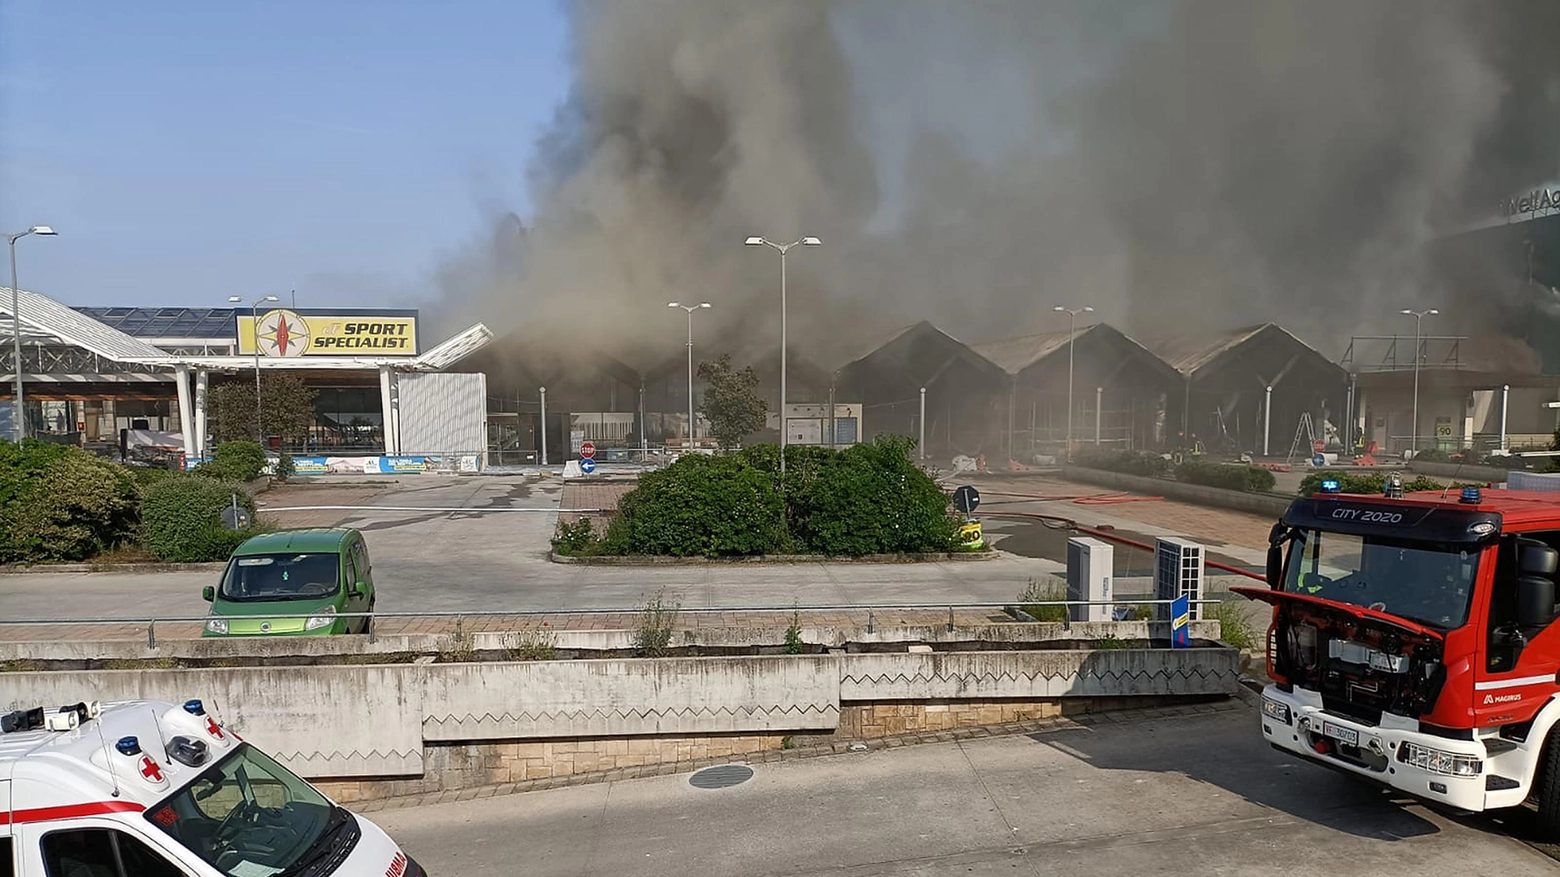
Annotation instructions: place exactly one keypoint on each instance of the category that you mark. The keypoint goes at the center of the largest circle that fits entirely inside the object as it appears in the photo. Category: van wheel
(1547, 790)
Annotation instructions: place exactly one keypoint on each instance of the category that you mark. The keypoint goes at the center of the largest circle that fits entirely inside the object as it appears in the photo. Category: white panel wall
(443, 413)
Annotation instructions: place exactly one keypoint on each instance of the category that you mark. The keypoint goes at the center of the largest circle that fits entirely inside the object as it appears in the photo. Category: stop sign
(588, 450)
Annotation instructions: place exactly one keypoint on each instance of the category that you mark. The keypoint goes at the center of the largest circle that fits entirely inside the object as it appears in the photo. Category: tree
(731, 401)
(287, 409)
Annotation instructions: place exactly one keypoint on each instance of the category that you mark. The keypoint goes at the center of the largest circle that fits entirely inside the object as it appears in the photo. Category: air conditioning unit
(1089, 566)
(1178, 569)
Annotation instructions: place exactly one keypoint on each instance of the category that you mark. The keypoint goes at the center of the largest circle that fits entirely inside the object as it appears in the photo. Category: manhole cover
(721, 777)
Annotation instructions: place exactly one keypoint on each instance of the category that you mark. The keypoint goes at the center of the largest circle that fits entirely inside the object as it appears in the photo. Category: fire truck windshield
(1424, 582)
(248, 816)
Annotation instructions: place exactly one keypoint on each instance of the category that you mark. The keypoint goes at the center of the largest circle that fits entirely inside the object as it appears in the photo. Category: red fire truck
(1414, 642)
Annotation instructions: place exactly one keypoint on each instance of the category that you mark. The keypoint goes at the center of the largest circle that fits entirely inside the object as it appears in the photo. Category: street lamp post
(1419, 316)
(18, 414)
(690, 309)
(1072, 332)
(782, 249)
(254, 326)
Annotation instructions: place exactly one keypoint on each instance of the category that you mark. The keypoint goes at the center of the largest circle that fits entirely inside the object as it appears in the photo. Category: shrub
(868, 499)
(657, 622)
(284, 468)
(1043, 592)
(234, 461)
(699, 505)
(181, 519)
(61, 503)
(1234, 625)
(1126, 462)
(1363, 482)
(1230, 476)
(576, 539)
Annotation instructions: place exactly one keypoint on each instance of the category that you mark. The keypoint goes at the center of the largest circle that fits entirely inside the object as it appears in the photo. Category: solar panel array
(168, 322)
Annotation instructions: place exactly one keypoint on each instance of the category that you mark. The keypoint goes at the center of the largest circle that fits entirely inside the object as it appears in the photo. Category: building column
(200, 413)
(181, 378)
(391, 404)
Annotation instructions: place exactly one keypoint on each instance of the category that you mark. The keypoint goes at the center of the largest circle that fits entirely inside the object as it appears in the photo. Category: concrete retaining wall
(381, 721)
(1265, 504)
(325, 649)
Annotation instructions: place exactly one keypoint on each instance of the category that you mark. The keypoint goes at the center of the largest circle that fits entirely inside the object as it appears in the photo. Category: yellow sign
(287, 333)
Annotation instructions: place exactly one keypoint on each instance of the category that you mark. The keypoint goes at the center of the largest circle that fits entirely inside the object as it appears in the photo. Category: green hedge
(1230, 476)
(865, 499)
(234, 461)
(699, 505)
(59, 503)
(181, 519)
(1364, 482)
(1125, 462)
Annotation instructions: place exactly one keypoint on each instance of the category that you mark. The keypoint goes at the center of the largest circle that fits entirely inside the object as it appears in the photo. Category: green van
(312, 575)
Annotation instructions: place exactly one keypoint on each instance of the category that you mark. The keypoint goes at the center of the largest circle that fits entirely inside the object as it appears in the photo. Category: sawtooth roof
(43, 318)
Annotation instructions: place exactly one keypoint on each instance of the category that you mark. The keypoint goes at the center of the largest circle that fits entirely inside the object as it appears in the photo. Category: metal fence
(460, 617)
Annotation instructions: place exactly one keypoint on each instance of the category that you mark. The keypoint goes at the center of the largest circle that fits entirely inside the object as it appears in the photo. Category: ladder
(1304, 430)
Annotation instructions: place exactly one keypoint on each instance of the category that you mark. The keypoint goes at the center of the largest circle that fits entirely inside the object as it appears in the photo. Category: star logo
(282, 333)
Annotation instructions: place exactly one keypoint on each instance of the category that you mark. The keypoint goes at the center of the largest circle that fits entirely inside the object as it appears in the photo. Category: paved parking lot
(491, 553)
(1200, 795)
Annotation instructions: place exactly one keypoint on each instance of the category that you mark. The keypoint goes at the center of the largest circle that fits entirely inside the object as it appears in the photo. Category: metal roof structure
(168, 322)
(1189, 354)
(44, 320)
(1014, 355)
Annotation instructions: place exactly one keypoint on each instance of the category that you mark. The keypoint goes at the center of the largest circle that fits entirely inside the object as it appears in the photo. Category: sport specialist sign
(283, 332)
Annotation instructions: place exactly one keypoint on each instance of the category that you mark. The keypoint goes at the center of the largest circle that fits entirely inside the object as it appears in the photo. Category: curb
(775, 559)
(79, 568)
(1235, 702)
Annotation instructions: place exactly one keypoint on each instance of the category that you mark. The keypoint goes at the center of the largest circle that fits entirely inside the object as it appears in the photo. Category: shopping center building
(89, 374)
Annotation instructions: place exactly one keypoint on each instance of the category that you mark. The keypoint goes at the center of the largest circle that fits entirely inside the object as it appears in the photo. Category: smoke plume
(1181, 167)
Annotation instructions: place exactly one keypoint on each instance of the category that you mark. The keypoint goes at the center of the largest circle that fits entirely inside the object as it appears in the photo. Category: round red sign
(588, 451)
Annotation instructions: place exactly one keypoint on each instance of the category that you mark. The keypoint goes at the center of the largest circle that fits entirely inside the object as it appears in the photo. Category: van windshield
(248, 816)
(267, 577)
(1424, 582)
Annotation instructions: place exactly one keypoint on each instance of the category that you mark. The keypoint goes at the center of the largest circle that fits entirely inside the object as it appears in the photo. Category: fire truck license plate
(1342, 735)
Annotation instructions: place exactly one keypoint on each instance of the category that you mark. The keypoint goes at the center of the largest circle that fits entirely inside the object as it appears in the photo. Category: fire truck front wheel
(1547, 790)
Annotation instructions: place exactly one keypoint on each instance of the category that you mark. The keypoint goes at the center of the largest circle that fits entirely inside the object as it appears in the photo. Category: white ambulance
(150, 789)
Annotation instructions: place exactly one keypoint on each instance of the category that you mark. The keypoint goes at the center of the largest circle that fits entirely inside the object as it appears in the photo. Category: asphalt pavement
(492, 554)
(1198, 795)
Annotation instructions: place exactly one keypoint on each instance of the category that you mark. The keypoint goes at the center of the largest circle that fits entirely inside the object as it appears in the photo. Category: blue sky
(188, 151)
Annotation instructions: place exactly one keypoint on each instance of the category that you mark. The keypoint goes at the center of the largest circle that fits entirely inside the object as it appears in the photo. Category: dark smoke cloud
(1182, 167)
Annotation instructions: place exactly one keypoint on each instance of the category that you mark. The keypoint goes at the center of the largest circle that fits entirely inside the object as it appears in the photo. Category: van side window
(102, 852)
(353, 576)
(361, 550)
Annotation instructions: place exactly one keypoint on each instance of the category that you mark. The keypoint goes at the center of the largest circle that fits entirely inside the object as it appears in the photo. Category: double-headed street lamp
(690, 309)
(254, 326)
(18, 416)
(1072, 333)
(1419, 316)
(782, 249)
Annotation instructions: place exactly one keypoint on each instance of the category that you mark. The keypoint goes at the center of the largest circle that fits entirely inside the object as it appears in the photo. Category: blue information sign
(587, 465)
(1180, 623)
(1318, 461)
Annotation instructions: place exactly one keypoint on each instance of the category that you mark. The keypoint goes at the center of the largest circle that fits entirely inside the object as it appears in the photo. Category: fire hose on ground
(1057, 522)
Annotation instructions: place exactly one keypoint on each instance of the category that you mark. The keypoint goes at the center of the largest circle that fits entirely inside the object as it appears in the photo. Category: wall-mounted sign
(283, 332)
(1537, 201)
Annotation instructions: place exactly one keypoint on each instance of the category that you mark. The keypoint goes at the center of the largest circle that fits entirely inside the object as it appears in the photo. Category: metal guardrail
(871, 609)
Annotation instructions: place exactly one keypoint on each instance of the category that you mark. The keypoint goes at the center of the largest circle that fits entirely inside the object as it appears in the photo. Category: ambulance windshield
(1425, 582)
(248, 816)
